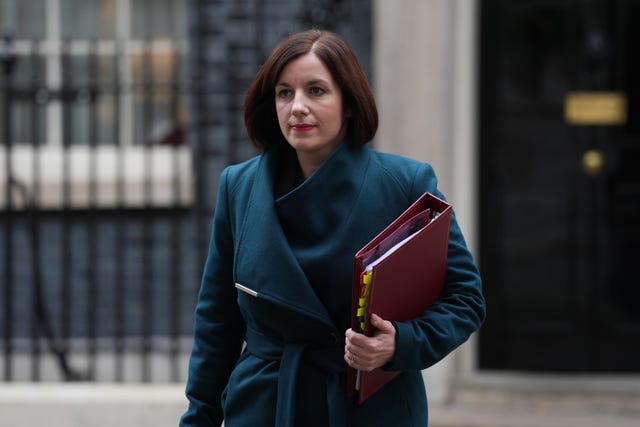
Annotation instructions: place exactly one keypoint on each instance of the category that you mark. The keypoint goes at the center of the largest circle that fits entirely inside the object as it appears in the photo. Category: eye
(283, 93)
(316, 90)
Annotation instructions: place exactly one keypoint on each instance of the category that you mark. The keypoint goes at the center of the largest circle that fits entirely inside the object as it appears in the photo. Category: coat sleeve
(459, 311)
(218, 326)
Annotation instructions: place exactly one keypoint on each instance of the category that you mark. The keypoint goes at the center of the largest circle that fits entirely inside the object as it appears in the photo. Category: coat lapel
(264, 261)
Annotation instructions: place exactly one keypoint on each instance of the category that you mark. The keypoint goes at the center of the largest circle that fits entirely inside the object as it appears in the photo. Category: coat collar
(265, 261)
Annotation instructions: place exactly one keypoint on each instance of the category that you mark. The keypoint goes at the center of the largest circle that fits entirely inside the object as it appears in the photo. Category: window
(99, 97)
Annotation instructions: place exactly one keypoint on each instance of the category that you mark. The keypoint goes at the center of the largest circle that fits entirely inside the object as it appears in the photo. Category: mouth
(302, 127)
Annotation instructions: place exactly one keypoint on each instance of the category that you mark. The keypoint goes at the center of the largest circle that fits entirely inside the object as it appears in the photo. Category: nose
(299, 106)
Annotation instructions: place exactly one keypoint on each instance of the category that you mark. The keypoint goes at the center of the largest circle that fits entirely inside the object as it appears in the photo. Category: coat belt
(329, 359)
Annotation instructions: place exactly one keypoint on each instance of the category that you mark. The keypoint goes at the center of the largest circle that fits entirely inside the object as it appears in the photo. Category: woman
(278, 275)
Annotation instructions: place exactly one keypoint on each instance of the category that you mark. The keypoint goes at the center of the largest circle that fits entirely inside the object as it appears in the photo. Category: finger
(355, 339)
(347, 359)
(350, 358)
(381, 324)
(349, 333)
(353, 348)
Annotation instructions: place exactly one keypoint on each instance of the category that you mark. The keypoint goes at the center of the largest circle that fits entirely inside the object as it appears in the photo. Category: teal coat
(278, 276)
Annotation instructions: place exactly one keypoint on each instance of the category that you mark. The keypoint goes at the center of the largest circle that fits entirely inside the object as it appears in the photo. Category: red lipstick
(302, 127)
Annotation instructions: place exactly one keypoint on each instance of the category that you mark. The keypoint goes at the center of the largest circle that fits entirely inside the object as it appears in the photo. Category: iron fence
(99, 267)
(107, 186)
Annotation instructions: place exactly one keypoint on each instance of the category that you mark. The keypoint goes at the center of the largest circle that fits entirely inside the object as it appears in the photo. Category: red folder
(406, 268)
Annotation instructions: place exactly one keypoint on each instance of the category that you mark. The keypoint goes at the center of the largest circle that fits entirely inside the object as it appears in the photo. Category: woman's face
(309, 107)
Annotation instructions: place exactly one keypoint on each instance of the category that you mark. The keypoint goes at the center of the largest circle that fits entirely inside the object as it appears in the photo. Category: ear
(347, 112)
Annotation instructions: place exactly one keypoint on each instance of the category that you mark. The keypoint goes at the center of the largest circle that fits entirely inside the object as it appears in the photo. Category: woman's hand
(368, 353)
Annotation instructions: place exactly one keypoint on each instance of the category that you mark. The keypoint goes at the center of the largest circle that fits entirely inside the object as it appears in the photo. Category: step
(540, 400)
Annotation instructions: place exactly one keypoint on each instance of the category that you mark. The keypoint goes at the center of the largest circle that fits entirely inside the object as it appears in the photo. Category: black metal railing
(100, 288)
(104, 220)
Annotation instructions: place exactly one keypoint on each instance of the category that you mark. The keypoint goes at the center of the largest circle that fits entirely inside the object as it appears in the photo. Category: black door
(560, 198)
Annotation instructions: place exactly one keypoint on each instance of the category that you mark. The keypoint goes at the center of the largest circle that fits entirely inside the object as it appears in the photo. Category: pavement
(538, 415)
(510, 399)
(482, 401)
(91, 405)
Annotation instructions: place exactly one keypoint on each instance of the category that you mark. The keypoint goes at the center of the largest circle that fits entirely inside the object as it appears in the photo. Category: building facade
(118, 117)
(526, 109)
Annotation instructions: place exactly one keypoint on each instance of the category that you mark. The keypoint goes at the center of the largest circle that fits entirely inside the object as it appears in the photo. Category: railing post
(7, 58)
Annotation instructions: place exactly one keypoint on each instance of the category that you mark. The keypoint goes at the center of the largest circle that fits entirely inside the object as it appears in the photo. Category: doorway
(560, 198)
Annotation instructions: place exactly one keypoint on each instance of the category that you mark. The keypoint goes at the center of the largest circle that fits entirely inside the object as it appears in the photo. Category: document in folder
(398, 275)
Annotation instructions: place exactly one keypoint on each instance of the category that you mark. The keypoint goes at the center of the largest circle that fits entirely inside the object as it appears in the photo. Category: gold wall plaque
(595, 108)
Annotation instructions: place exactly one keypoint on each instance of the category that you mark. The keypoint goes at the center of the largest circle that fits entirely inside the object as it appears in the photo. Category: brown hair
(260, 117)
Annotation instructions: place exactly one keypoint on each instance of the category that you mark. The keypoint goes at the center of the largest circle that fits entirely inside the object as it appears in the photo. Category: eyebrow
(309, 83)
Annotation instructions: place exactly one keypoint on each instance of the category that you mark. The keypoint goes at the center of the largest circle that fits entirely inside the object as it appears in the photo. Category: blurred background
(117, 117)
